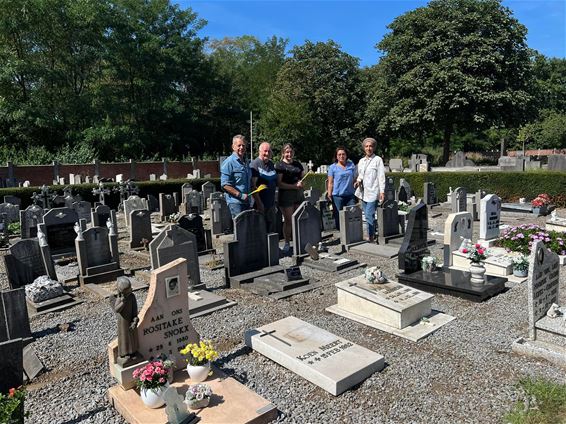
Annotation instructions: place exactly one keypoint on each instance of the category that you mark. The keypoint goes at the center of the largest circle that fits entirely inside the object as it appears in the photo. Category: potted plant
(476, 254)
(374, 275)
(520, 266)
(198, 396)
(540, 204)
(198, 358)
(151, 379)
(12, 406)
(429, 263)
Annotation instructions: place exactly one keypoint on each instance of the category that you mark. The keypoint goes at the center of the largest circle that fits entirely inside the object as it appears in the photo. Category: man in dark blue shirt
(263, 172)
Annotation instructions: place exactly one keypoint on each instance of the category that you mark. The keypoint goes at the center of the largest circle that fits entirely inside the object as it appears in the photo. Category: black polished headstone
(16, 314)
(414, 246)
(194, 224)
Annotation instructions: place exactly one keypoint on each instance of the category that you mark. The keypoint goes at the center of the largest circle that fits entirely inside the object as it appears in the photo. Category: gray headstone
(13, 200)
(557, 163)
(100, 215)
(29, 219)
(152, 203)
(351, 227)
(83, 210)
(543, 283)
(25, 263)
(186, 189)
(173, 243)
(195, 225)
(458, 226)
(430, 195)
(58, 227)
(166, 206)
(326, 216)
(396, 165)
(12, 211)
(389, 189)
(16, 320)
(140, 227)
(11, 366)
(459, 200)
(490, 213)
(510, 163)
(414, 246)
(459, 160)
(388, 219)
(132, 203)
(207, 189)
(312, 195)
(221, 218)
(306, 227)
(97, 246)
(405, 192)
(195, 200)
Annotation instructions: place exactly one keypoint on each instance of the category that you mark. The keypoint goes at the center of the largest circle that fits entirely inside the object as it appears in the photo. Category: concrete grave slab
(331, 362)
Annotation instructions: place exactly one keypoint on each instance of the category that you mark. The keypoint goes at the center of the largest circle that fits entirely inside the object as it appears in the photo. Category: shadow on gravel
(64, 327)
(230, 372)
(84, 416)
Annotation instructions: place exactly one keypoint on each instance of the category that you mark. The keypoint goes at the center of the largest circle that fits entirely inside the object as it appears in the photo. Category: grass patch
(540, 402)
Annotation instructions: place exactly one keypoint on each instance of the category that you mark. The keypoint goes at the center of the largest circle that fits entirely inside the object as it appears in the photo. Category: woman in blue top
(341, 177)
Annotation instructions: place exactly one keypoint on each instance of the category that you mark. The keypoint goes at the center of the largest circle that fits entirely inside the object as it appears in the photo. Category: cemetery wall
(509, 186)
(38, 175)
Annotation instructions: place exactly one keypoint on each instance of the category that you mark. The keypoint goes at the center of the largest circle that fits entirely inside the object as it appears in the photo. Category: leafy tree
(316, 102)
(454, 65)
(547, 133)
(550, 87)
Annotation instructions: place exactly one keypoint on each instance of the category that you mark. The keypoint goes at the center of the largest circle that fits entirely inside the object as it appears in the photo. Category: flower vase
(520, 272)
(153, 398)
(540, 210)
(477, 271)
(197, 404)
(198, 373)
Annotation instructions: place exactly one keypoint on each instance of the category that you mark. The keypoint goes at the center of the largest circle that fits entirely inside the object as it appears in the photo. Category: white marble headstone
(490, 212)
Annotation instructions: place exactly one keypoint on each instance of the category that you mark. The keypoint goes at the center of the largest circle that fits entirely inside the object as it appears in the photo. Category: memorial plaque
(543, 283)
(331, 362)
(414, 246)
(490, 213)
(458, 226)
(165, 326)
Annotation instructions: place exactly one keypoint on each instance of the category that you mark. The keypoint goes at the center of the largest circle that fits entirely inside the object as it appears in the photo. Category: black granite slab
(454, 283)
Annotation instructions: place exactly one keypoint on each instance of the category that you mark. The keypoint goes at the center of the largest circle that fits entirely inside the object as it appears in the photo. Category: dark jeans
(339, 202)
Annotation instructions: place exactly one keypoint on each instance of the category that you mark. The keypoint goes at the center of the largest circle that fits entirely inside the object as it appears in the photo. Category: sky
(357, 26)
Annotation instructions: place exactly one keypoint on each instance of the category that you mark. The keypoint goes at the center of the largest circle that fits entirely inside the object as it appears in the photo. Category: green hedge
(510, 186)
(112, 200)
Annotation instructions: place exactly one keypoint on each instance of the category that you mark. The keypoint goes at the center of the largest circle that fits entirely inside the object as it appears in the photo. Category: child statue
(126, 307)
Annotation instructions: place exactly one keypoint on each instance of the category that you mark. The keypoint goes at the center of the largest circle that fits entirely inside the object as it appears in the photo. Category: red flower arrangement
(152, 376)
(476, 254)
(542, 199)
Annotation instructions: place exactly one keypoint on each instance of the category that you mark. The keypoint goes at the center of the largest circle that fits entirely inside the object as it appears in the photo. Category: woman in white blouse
(370, 184)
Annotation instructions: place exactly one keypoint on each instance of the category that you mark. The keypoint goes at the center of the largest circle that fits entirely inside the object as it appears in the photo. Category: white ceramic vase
(198, 373)
(477, 271)
(153, 398)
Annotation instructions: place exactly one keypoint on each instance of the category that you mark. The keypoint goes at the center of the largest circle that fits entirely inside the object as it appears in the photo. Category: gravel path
(463, 373)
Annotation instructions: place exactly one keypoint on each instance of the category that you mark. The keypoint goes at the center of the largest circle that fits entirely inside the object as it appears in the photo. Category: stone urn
(198, 373)
(477, 271)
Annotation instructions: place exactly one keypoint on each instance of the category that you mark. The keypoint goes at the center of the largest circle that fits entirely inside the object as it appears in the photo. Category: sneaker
(286, 248)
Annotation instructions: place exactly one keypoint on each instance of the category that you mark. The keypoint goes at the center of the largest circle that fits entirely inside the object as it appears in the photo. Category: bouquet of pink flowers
(476, 253)
(542, 199)
(152, 376)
